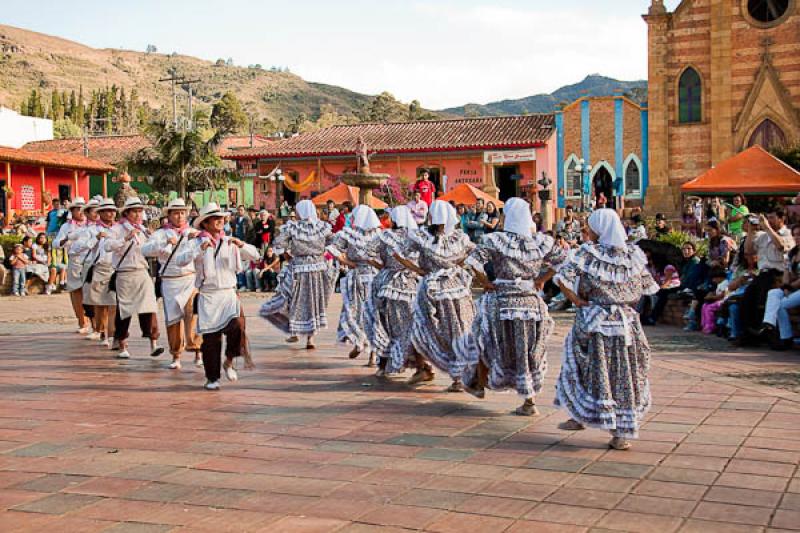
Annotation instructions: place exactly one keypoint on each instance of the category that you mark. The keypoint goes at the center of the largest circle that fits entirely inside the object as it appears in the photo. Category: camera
(753, 219)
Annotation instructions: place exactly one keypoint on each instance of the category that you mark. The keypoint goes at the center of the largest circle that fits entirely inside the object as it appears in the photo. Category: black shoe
(761, 331)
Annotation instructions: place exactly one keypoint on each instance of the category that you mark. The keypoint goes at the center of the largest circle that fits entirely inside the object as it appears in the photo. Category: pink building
(503, 156)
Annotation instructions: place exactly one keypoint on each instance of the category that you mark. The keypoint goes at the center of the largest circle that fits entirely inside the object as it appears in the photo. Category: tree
(219, 62)
(180, 160)
(151, 49)
(229, 62)
(789, 155)
(65, 129)
(382, 108)
(227, 115)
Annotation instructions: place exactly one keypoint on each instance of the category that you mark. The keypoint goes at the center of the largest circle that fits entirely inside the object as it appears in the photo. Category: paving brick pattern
(312, 442)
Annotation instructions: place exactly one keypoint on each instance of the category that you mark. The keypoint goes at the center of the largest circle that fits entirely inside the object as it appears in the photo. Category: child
(714, 300)
(19, 263)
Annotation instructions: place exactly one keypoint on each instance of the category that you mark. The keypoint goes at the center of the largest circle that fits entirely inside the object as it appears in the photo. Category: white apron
(97, 292)
(135, 293)
(74, 273)
(176, 293)
(215, 309)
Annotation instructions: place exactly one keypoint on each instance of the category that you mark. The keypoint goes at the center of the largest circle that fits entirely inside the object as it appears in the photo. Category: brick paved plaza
(312, 442)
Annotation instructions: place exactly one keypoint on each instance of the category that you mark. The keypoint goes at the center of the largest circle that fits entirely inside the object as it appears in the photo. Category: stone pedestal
(366, 182)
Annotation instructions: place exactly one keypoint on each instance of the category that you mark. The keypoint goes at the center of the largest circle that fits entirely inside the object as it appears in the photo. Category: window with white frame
(633, 178)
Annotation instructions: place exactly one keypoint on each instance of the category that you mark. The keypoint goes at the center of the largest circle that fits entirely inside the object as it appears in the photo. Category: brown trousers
(102, 321)
(183, 335)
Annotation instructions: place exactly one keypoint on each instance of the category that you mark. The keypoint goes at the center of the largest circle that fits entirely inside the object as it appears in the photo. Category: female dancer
(506, 348)
(306, 281)
(357, 248)
(603, 381)
(390, 308)
(443, 311)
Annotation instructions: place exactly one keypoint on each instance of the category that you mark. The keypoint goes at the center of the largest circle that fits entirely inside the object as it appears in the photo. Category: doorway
(435, 176)
(507, 179)
(287, 194)
(603, 183)
(3, 197)
(64, 193)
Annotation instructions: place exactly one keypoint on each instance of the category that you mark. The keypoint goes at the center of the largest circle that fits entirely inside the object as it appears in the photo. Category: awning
(468, 195)
(754, 172)
(345, 193)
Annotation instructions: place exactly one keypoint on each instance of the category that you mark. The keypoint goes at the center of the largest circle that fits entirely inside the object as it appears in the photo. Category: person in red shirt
(343, 220)
(425, 187)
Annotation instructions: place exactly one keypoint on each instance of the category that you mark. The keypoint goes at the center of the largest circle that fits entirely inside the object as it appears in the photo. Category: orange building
(503, 156)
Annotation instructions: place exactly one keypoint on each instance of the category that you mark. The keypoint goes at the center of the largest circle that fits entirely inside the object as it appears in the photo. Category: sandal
(371, 363)
(422, 374)
(355, 352)
(526, 409)
(619, 443)
(292, 339)
(479, 393)
(571, 425)
(455, 386)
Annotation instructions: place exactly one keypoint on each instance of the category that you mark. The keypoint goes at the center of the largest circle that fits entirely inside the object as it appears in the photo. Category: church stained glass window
(690, 97)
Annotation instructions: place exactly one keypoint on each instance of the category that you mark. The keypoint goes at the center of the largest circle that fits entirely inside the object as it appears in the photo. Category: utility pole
(187, 85)
(173, 79)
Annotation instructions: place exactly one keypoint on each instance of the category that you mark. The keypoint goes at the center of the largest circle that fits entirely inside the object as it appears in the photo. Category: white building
(17, 130)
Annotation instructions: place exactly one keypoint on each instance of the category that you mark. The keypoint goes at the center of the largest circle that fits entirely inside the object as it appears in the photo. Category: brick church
(723, 75)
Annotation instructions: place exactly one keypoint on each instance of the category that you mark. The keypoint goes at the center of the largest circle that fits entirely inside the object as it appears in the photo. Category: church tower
(723, 75)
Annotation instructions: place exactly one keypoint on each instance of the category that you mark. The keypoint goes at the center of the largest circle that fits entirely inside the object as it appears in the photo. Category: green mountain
(593, 85)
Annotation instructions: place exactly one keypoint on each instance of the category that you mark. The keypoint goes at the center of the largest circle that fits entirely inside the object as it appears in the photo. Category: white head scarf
(364, 218)
(306, 210)
(606, 223)
(401, 215)
(518, 219)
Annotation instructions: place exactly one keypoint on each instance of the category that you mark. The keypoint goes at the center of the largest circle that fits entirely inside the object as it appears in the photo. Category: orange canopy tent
(468, 195)
(754, 172)
(345, 193)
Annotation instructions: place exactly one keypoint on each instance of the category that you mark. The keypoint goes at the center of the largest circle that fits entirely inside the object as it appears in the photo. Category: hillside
(593, 85)
(31, 60)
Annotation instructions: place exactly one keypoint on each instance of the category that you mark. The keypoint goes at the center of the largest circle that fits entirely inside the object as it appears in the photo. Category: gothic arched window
(690, 97)
(769, 135)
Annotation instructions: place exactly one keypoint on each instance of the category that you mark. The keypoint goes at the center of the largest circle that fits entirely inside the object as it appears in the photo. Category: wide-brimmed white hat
(91, 204)
(106, 204)
(209, 210)
(131, 203)
(175, 205)
(77, 203)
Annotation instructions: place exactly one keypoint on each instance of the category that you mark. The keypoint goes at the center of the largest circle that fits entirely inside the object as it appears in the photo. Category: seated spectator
(252, 275)
(39, 266)
(689, 221)
(780, 300)
(269, 274)
(669, 282)
(721, 248)
(637, 231)
(770, 246)
(332, 212)
(662, 228)
(693, 279)
(3, 270)
(539, 222)
(261, 230)
(569, 226)
(713, 300)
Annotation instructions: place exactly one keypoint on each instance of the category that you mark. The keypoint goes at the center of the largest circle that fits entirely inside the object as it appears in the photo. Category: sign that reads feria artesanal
(509, 156)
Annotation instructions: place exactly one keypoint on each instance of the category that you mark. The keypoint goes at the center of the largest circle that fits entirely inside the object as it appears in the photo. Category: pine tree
(80, 116)
(73, 109)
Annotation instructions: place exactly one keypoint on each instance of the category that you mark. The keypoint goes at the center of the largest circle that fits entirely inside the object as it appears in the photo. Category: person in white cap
(507, 346)
(217, 259)
(306, 282)
(603, 381)
(95, 303)
(443, 309)
(176, 282)
(134, 286)
(68, 234)
(357, 248)
(390, 309)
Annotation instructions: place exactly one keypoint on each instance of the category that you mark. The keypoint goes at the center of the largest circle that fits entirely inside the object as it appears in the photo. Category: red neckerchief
(206, 235)
(179, 229)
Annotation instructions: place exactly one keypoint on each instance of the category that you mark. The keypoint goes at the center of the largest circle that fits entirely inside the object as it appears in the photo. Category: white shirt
(93, 247)
(158, 246)
(69, 233)
(117, 244)
(216, 266)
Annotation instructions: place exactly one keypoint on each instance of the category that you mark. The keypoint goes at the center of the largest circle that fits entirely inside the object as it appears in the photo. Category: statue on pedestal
(362, 163)
(125, 190)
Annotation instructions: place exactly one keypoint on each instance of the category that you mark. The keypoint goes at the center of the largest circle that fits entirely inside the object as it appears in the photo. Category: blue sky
(444, 53)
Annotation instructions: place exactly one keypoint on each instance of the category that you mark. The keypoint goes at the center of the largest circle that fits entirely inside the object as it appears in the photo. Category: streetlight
(582, 170)
(278, 178)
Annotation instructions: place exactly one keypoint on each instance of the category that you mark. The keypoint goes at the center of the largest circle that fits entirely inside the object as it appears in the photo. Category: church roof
(486, 133)
(754, 171)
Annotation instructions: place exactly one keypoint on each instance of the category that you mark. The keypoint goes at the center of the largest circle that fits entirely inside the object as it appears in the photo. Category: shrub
(679, 238)
(8, 242)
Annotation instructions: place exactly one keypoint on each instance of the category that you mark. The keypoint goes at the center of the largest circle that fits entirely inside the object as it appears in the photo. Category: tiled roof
(52, 160)
(114, 149)
(421, 136)
(241, 142)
